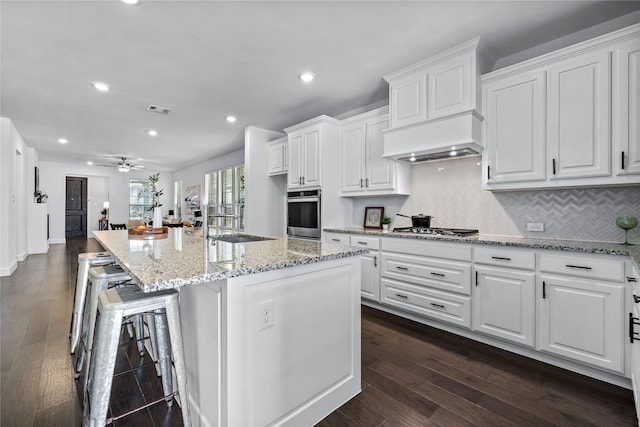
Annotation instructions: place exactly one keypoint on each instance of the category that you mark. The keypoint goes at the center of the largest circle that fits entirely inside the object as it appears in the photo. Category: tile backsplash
(450, 191)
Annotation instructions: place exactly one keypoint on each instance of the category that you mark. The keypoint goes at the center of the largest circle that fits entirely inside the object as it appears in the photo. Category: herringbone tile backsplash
(450, 191)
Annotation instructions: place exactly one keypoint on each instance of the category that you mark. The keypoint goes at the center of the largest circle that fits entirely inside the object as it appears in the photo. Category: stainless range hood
(457, 135)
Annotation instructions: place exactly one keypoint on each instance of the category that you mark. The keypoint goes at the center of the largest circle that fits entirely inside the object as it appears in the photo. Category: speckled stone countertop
(180, 259)
(484, 239)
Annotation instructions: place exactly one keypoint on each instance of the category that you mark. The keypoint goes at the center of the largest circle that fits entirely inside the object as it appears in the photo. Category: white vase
(157, 218)
(385, 226)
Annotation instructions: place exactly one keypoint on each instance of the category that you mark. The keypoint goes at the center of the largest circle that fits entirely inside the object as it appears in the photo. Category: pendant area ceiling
(206, 60)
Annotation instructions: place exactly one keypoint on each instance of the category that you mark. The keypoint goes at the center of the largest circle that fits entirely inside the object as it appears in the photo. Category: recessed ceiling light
(102, 87)
(231, 119)
(90, 163)
(62, 140)
(130, 1)
(307, 76)
(152, 132)
(453, 153)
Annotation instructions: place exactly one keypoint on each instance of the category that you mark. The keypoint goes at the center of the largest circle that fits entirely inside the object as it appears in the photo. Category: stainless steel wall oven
(303, 214)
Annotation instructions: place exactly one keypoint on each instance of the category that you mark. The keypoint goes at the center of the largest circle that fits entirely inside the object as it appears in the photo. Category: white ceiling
(207, 59)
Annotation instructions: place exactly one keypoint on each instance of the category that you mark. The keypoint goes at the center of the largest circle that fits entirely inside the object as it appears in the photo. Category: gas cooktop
(437, 231)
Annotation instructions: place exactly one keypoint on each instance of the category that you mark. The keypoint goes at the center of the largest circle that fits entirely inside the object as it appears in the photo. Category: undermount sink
(240, 239)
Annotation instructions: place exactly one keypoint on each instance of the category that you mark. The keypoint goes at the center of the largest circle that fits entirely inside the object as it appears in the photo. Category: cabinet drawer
(583, 266)
(365, 242)
(339, 238)
(440, 305)
(503, 257)
(446, 275)
(424, 247)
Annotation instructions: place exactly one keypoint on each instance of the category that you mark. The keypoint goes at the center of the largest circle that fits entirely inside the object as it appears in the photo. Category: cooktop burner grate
(437, 231)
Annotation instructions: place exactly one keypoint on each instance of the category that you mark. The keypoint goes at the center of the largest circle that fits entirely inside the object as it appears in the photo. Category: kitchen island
(271, 327)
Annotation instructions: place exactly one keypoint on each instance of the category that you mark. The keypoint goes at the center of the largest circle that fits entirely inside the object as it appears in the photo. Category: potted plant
(155, 198)
(103, 212)
(385, 222)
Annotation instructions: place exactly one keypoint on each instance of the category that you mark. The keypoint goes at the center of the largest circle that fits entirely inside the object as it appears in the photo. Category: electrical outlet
(535, 226)
(265, 314)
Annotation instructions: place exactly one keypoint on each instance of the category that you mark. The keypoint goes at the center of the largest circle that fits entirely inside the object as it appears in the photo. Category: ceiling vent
(158, 109)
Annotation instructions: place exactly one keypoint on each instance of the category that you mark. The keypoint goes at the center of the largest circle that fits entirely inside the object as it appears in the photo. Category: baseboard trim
(57, 241)
(8, 271)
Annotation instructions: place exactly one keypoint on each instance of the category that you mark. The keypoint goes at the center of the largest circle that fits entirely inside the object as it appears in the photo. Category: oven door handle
(303, 200)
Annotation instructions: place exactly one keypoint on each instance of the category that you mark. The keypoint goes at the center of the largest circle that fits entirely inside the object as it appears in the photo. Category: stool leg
(138, 326)
(151, 322)
(97, 287)
(78, 302)
(175, 332)
(99, 377)
(164, 353)
(82, 350)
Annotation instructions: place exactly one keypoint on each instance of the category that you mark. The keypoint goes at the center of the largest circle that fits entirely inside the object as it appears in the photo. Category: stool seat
(113, 306)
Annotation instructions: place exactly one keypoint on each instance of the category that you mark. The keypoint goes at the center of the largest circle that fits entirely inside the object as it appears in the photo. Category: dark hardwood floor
(412, 375)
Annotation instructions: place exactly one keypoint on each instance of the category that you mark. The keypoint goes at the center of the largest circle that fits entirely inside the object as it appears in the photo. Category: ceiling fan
(123, 165)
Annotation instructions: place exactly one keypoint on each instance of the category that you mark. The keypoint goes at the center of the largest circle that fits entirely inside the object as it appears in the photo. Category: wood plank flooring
(412, 375)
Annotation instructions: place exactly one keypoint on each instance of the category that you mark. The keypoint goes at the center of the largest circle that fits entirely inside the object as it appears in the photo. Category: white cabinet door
(449, 87)
(626, 123)
(503, 304)
(578, 117)
(582, 320)
(311, 158)
(277, 158)
(352, 159)
(304, 158)
(380, 171)
(407, 100)
(294, 177)
(515, 128)
(370, 287)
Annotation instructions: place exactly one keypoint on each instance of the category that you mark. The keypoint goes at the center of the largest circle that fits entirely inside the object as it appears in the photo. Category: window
(140, 200)
(226, 196)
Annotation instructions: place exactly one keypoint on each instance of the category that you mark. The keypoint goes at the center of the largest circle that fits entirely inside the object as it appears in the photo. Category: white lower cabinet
(583, 320)
(370, 264)
(504, 304)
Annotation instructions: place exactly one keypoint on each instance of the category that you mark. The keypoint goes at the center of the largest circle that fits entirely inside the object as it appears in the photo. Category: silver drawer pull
(578, 266)
(335, 240)
(402, 268)
(631, 279)
(501, 258)
(437, 274)
(636, 298)
(437, 305)
(362, 243)
(402, 296)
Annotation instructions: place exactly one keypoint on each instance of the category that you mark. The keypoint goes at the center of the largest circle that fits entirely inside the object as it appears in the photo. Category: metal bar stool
(114, 305)
(100, 279)
(85, 261)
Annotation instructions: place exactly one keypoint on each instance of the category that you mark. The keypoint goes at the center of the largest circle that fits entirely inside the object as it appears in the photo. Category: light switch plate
(535, 226)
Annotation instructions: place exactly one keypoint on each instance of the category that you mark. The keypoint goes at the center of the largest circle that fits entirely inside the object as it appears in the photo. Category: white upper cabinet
(304, 158)
(626, 126)
(277, 159)
(309, 143)
(363, 170)
(439, 86)
(578, 111)
(514, 122)
(567, 118)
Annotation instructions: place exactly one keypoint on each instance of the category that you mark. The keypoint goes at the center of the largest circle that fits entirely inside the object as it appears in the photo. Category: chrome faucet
(206, 216)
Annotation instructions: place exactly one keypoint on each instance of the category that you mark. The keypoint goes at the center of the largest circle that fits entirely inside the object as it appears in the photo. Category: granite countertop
(553, 244)
(178, 259)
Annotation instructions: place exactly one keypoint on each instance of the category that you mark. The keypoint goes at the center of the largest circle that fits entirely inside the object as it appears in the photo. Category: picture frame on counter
(373, 217)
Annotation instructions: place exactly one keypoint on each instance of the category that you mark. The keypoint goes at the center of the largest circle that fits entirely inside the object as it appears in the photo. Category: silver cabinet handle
(362, 243)
(631, 279)
(501, 258)
(375, 261)
(335, 240)
(360, 182)
(366, 182)
(437, 274)
(437, 305)
(402, 268)
(402, 296)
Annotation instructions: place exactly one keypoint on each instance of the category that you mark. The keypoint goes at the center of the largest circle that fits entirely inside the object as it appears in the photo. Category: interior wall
(53, 182)
(195, 175)
(450, 191)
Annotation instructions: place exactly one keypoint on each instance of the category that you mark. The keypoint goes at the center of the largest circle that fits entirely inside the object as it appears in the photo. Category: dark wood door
(76, 207)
